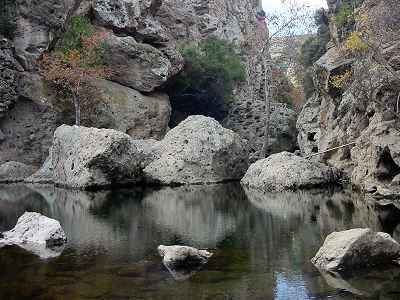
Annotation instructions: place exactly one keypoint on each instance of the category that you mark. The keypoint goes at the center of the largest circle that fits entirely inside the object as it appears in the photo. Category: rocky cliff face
(364, 112)
(143, 57)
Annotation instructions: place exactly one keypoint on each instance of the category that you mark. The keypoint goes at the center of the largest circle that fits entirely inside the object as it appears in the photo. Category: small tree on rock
(73, 70)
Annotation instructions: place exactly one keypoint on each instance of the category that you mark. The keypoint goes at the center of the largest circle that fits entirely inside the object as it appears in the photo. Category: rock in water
(199, 150)
(287, 171)
(85, 158)
(183, 261)
(14, 171)
(36, 233)
(356, 249)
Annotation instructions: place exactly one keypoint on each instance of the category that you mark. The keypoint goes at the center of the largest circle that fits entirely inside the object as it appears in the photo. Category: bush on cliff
(212, 68)
(76, 62)
(213, 65)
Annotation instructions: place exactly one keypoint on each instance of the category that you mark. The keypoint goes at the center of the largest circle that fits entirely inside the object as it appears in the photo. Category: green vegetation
(345, 17)
(79, 28)
(7, 18)
(212, 67)
(77, 61)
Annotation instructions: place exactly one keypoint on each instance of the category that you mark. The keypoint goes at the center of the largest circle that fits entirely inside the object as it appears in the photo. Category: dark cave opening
(311, 136)
(387, 168)
(196, 103)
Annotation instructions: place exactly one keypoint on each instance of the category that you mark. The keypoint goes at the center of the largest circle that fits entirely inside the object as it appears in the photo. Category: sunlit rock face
(335, 117)
(85, 158)
(287, 171)
(199, 151)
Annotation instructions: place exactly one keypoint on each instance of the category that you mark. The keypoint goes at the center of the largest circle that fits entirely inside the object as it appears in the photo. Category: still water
(262, 244)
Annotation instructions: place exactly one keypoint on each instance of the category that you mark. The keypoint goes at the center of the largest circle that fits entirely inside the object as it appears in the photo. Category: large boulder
(197, 151)
(136, 65)
(287, 171)
(14, 171)
(85, 158)
(356, 248)
(127, 110)
(36, 233)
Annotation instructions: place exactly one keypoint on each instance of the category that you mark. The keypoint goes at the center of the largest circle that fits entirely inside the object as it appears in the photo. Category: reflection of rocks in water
(17, 199)
(375, 283)
(201, 215)
(332, 210)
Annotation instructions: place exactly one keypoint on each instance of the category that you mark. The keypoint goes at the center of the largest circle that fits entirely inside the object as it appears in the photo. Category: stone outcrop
(251, 125)
(361, 114)
(199, 150)
(353, 249)
(36, 233)
(14, 171)
(85, 158)
(142, 116)
(287, 171)
(136, 65)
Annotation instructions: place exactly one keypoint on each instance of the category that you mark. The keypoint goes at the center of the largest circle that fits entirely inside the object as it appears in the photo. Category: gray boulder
(199, 150)
(127, 110)
(36, 233)
(287, 171)
(14, 171)
(355, 249)
(85, 158)
(136, 65)
(183, 261)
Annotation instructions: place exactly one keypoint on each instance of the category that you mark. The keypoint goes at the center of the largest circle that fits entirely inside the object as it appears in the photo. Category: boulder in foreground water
(183, 261)
(287, 171)
(199, 151)
(358, 248)
(37, 234)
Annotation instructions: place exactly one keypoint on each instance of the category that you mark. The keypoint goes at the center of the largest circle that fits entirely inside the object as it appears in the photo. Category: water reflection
(263, 242)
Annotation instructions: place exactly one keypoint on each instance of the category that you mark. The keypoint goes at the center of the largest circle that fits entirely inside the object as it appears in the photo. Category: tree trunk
(267, 111)
(77, 110)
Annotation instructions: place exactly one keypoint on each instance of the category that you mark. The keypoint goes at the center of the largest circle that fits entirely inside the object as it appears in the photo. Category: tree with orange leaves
(74, 69)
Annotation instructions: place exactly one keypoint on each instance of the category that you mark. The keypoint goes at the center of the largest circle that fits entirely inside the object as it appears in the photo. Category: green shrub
(344, 15)
(79, 27)
(212, 67)
(8, 18)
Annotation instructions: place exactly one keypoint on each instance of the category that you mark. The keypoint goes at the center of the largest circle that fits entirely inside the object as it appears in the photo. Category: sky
(271, 6)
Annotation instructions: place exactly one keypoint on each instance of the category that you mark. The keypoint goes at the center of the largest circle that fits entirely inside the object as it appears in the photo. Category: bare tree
(293, 20)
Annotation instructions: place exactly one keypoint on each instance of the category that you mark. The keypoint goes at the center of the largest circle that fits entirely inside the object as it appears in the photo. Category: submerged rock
(287, 171)
(183, 261)
(14, 171)
(36, 233)
(85, 158)
(356, 249)
(199, 150)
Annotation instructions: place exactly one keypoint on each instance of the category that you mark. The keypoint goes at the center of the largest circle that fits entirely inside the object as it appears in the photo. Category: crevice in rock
(386, 169)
